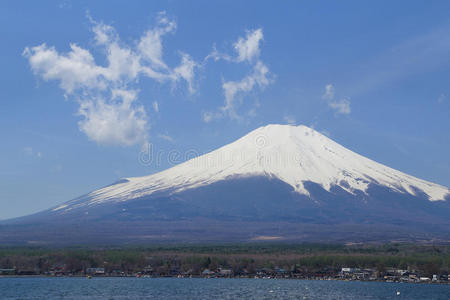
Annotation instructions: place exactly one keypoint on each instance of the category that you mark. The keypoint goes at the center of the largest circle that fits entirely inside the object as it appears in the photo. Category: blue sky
(86, 85)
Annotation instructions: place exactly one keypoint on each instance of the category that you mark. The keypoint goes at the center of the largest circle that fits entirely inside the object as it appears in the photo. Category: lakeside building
(11, 271)
(295, 271)
(95, 271)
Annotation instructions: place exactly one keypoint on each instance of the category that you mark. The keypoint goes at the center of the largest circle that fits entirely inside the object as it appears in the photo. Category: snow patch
(293, 154)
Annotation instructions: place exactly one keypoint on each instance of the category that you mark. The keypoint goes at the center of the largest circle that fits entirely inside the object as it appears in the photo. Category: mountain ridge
(288, 182)
(274, 151)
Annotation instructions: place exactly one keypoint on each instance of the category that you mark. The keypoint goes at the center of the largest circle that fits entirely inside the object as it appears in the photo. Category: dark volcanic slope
(241, 209)
(278, 182)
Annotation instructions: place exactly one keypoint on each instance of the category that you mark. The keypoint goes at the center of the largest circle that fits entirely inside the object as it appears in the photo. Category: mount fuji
(278, 182)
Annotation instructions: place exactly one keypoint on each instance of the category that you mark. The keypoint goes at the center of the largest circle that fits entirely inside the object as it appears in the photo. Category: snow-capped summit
(278, 181)
(292, 154)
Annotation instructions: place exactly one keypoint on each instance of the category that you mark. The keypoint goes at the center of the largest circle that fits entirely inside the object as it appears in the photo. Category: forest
(308, 260)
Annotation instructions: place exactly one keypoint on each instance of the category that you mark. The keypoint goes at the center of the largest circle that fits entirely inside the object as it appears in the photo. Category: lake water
(198, 288)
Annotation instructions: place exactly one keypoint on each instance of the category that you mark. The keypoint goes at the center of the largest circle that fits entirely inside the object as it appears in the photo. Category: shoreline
(233, 277)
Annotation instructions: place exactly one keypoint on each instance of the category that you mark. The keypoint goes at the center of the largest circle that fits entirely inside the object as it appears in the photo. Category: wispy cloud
(442, 98)
(248, 47)
(115, 122)
(155, 106)
(325, 132)
(341, 106)
(208, 116)
(290, 120)
(57, 168)
(166, 137)
(329, 92)
(30, 152)
(233, 88)
(247, 50)
(107, 95)
(415, 55)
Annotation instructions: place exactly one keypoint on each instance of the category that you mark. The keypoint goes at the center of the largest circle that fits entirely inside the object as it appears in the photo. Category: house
(349, 270)
(188, 272)
(297, 272)
(30, 271)
(444, 277)
(57, 270)
(281, 271)
(95, 271)
(7, 271)
(225, 272)
(413, 278)
(117, 272)
(208, 272)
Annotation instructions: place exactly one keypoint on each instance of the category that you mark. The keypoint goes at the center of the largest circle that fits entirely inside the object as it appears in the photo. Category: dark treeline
(170, 260)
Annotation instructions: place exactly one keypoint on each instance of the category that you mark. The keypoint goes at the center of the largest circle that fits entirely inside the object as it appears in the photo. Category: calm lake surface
(198, 288)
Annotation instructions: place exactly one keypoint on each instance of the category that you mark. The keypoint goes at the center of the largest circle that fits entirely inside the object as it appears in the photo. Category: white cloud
(216, 55)
(341, 107)
(117, 122)
(248, 47)
(248, 50)
(290, 120)
(107, 94)
(232, 88)
(30, 152)
(156, 106)
(325, 132)
(65, 4)
(329, 92)
(57, 168)
(209, 116)
(166, 137)
(124, 65)
(442, 98)
(186, 71)
(416, 55)
(150, 45)
(74, 70)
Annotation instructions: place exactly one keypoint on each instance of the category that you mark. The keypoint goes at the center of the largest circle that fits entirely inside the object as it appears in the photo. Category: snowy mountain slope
(293, 154)
(285, 182)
